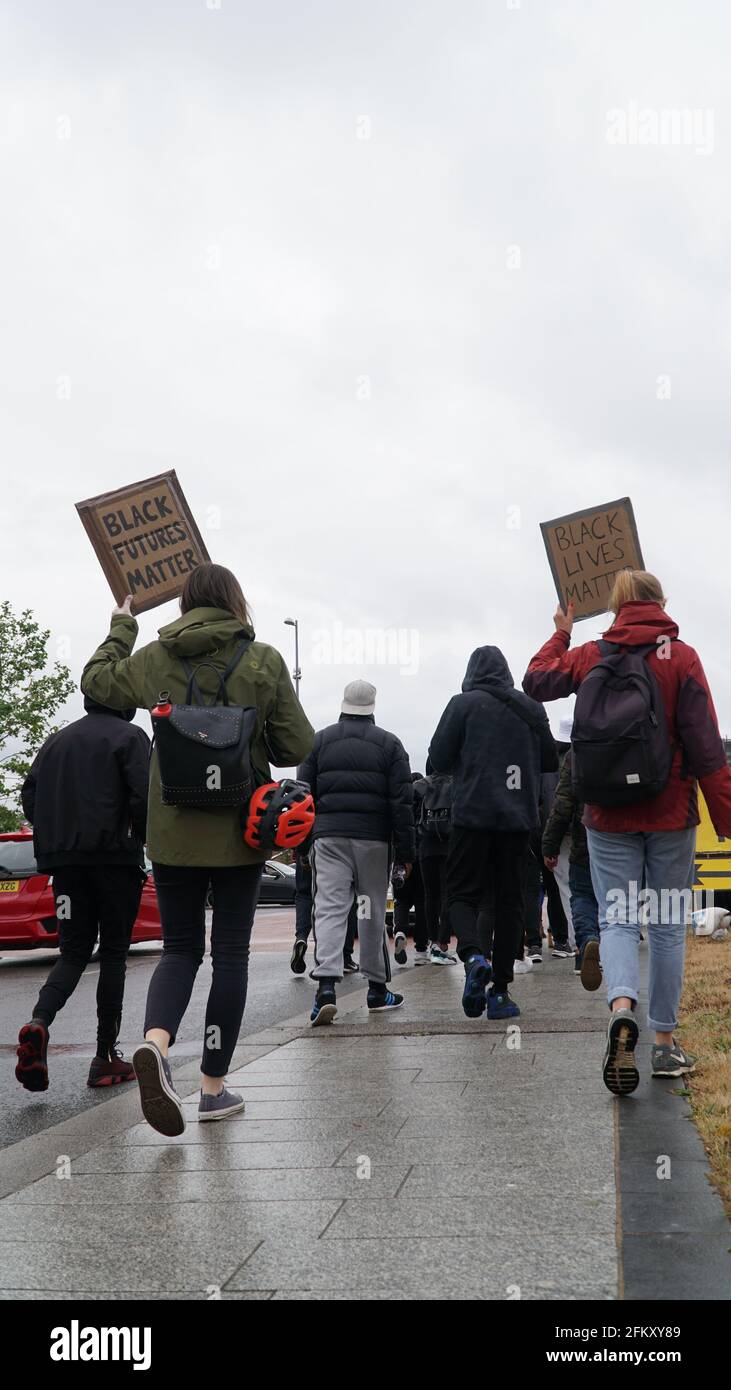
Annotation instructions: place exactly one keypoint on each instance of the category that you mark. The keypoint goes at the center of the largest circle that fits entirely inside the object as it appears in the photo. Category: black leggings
(181, 894)
(434, 877)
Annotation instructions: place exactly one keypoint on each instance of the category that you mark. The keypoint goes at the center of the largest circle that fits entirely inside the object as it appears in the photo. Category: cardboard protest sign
(586, 550)
(145, 538)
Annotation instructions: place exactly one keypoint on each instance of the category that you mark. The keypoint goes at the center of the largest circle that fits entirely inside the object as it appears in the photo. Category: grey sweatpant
(341, 867)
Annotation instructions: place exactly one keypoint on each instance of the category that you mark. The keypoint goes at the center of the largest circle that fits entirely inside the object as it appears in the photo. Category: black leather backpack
(203, 750)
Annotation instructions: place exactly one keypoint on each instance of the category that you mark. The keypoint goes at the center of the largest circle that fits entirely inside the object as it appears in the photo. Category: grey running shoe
(562, 951)
(439, 957)
(221, 1106)
(591, 970)
(671, 1061)
(297, 960)
(161, 1104)
(620, 1073)
(422, 958)
(536, 957)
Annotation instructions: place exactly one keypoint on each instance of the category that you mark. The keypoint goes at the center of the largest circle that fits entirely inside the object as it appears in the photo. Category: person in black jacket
(496, 742)
(361, 782)
(86, 798)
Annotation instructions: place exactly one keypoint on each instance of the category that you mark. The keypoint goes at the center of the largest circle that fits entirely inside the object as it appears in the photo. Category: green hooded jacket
(118, 677)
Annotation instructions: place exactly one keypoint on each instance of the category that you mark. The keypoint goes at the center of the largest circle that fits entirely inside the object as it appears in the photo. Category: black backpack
(203, 750)
(621, 750)
(435, 817)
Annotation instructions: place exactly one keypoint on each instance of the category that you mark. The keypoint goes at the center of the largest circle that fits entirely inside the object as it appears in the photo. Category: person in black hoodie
(86, 798)
(496, 742)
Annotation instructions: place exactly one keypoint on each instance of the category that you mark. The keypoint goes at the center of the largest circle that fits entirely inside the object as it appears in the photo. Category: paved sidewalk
(416, 1155)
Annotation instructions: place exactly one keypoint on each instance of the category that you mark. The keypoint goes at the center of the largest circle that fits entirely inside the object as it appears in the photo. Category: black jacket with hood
(86, 792)
(360, 778)
(497, 743)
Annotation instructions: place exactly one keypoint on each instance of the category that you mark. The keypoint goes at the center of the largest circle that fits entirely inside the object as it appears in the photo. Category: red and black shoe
(111, 1070)
(32, 1068)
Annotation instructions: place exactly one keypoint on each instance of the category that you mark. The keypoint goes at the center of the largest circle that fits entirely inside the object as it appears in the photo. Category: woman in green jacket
(193, 849)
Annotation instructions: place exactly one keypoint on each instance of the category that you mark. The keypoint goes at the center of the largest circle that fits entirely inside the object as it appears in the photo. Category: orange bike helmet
(280, 814)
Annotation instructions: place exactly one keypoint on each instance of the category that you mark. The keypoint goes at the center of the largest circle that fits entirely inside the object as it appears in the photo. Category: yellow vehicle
(712, 854)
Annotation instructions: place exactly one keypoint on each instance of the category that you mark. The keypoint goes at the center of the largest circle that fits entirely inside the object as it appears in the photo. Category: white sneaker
(422, 958)
(521, 967)
(440, 957)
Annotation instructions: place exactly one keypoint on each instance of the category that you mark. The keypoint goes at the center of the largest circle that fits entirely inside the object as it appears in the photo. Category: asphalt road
(274, 994)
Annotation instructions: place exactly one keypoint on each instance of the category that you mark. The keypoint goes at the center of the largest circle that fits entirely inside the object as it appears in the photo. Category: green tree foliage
(31, 694)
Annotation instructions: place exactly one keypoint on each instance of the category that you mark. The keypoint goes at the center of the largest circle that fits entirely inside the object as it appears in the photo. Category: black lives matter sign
(145, 538)
(586, 551)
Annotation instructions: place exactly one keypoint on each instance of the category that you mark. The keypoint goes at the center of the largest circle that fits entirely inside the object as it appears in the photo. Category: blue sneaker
(501, 1005)
(478, 975)
(383, 999)
(324, 1008)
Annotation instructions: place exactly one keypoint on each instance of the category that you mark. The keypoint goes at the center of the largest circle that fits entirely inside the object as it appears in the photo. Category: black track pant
(100, 900)
(477, 859)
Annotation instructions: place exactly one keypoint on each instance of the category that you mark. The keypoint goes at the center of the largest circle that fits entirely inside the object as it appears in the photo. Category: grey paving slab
(450, 1216)
(544, 1267)
(157, 1295)
(172, 1158)
(140, 1268)
(216, 1222)
(674, 1205)
(453, 1152)
(247, 1131)
(686, 1267)
(207, 1185)
(510, 1174)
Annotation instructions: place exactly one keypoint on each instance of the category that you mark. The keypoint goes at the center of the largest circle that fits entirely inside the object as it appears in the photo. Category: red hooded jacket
(556, 671)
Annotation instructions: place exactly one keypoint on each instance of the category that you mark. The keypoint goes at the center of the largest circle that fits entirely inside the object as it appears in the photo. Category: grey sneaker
(399, 948)
(620, 1073)
(161, 1104)
(221, 1106)
(671, 1061)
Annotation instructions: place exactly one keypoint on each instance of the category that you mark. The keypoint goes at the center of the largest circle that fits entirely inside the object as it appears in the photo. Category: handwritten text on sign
(586, 551)
(145, 538)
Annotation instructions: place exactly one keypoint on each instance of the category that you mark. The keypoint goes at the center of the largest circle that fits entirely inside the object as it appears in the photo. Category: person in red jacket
(644, 852)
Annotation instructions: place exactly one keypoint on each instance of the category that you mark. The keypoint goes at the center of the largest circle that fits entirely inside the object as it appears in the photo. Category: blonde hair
(635, 586)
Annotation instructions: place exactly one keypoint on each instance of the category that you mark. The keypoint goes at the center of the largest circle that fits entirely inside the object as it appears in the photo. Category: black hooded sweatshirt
(496, 742)
(86, 792)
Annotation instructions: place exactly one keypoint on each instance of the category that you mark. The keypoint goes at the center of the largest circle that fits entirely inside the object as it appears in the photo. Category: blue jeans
(584, 908)
(655, 866)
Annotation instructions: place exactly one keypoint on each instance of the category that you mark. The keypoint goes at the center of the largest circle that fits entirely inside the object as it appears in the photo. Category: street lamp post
(297, 674)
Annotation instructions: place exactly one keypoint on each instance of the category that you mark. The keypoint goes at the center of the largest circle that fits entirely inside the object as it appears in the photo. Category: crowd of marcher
(598, 824)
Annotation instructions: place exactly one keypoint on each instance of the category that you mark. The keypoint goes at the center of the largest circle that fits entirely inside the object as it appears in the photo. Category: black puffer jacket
(495, 756)
(86, 792)
(361, 781)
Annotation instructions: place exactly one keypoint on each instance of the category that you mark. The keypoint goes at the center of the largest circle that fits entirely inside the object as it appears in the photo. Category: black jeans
(477, 859)
(533, 897)
(405, 896)
(95, 900)
(181, 894)
(434, 877)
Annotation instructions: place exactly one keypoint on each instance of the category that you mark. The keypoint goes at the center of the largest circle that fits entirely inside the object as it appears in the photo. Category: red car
(27, 911)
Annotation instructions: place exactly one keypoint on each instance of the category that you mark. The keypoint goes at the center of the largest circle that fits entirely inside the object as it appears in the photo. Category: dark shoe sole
(326, 1015)
(620, 1073)
(95, 1082)
(475, 1003)
(162, 1110)
(591, 970)
(297, 961)
(32, 1072)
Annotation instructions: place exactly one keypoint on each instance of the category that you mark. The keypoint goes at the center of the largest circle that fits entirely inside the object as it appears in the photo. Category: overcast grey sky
(369, 277)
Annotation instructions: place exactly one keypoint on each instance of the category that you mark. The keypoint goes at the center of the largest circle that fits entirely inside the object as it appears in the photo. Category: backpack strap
(222, 676)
